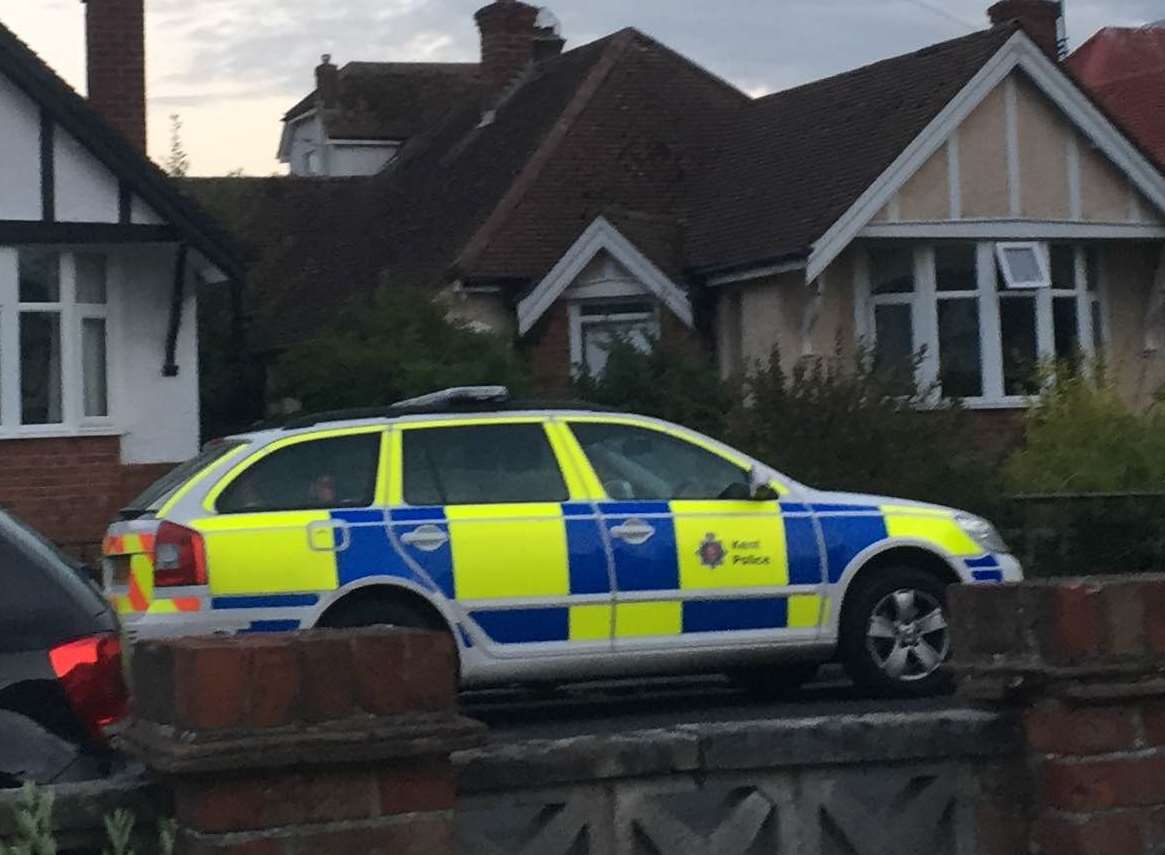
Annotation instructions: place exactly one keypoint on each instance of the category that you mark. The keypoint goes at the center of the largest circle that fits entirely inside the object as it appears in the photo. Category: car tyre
(895, 634)
(381, 612)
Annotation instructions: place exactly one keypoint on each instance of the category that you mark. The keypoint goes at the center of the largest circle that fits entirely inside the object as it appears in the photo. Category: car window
(154, 496)
(339, 472)
(481, 465)
(634, 463)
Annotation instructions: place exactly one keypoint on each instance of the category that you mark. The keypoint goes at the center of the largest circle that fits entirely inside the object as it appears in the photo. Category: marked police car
(553, 544)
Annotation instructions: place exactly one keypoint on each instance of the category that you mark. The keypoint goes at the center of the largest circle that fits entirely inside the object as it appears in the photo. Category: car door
(493, 514)
(694, 556)
(285, 519)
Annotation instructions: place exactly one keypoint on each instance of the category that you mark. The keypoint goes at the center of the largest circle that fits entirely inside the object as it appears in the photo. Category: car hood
(827, 497)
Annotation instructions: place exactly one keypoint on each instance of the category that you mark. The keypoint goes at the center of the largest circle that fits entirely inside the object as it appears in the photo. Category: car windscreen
(157, 493)
(47, 598)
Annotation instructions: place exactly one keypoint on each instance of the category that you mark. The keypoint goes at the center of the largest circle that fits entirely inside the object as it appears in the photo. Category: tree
(178, 163)
(398, 345)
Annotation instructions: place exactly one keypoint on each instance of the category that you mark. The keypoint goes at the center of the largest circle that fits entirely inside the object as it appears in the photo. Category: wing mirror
(760, 488)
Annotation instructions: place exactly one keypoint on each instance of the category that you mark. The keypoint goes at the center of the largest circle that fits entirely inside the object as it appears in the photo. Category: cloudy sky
(230, 68)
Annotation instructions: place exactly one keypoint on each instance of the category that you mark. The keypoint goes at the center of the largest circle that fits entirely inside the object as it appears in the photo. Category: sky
(231, 68)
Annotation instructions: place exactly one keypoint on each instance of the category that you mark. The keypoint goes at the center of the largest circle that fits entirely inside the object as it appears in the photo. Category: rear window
(157, 493)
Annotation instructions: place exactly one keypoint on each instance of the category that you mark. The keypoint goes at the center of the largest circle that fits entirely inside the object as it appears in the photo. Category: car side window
(481, 465)
(634, 463)
(339, 472)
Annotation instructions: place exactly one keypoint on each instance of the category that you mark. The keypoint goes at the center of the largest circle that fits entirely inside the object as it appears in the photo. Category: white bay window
(976, 320)
(53, 340)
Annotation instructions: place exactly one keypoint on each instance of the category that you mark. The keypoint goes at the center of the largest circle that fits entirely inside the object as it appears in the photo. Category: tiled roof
(1124, 68)
(792, 163)
(393, 100)
(30, 73)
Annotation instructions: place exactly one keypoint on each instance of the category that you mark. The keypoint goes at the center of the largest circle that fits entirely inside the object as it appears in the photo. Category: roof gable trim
(1018, 52)
(599, 236)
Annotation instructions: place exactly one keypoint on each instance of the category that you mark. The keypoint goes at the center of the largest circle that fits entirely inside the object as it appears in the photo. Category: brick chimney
(115, 47)
(1040, 19)
(327, 82)
(508, 34)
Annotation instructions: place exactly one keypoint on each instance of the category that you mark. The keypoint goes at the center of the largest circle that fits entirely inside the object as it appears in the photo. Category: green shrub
(35, 834)
(398, 346)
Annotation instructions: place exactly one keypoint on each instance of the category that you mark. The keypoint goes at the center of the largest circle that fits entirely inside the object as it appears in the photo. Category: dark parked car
(61, 681)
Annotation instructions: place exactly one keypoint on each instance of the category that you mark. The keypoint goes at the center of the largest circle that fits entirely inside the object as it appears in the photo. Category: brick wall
(115, 52)
(70, 488)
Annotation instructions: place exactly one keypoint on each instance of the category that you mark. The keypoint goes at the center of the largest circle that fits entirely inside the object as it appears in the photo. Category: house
(100, 264)
(970, 201)
(1124, 67)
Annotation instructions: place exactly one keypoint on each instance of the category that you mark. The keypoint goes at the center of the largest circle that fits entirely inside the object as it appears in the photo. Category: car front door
(490, 513)
(694, 555)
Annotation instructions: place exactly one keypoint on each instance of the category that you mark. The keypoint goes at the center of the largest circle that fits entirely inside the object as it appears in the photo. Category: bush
(399, 346)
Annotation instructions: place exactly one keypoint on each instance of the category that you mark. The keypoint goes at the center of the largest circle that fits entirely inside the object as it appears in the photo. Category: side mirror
(759, 487)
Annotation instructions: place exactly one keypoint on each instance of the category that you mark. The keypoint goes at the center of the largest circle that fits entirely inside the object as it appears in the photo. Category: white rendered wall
(348, 160)
(19, 155)
(86, 190)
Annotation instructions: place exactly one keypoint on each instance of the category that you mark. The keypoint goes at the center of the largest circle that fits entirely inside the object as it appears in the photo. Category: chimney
(548, 40)
(115, 47)
(1040, 19)
(508, 33)
(327, 82)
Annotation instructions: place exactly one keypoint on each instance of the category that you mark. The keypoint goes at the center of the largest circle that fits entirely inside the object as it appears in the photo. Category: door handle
(636, 532)
(328, 536)
(427, 538)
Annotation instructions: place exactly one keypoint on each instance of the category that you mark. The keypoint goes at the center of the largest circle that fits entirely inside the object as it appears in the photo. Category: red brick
(274, 682)
(189, 844)
(275, 800)
(1153, 716)
(414, 788)
(1053, 728)
(211, 685)
(1098, 785)
(404, 671)
(1071, 629)
(1154, 598)
(1104, 834)
(328, 681)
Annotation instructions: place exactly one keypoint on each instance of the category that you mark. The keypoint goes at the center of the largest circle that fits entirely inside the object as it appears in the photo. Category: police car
(552, 544)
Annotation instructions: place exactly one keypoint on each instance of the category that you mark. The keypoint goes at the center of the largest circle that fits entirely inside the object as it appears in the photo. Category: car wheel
(775, 681)
(380, 612)
(895, 635)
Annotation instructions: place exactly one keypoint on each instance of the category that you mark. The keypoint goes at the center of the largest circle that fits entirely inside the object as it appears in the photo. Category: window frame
(1039, 251)
(241, 467)
(579, 321)
(575, 490)
(925, 299)
(71, 317)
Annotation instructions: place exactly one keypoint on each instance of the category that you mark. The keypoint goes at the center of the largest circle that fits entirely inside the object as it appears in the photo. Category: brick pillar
(321, 742)
(1082, 664)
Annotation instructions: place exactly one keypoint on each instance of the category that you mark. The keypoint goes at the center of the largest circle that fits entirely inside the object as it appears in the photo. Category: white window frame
(925, 298)
(71, 316)
(1039, 254)
(578, 322)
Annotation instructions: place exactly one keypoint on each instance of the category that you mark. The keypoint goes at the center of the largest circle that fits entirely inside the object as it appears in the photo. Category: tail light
(91, 675)
(179, 557)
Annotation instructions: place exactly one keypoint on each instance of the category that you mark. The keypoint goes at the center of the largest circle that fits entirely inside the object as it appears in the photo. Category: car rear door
(495, 515)
(696, 560)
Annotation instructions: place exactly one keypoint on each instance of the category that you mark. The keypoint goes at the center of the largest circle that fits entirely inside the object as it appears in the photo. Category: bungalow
(969, 201)
(101, 261)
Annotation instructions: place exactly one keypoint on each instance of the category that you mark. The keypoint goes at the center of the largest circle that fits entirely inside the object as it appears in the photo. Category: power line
(950, 16)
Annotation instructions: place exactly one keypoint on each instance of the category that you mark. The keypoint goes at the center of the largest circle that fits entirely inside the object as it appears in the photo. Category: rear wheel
(894, 633)
(380, 612)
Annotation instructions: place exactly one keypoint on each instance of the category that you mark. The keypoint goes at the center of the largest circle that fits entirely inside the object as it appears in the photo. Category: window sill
(58, 432)
(1016, 403)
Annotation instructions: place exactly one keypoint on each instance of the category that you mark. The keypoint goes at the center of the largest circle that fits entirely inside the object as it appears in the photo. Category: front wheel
(894, 634)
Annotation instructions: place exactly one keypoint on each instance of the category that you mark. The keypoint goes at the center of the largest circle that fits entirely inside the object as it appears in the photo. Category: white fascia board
(1013, 229)
(1019, 52)
(378, 143)
(601, 235)
(284, 152)
(755, 273)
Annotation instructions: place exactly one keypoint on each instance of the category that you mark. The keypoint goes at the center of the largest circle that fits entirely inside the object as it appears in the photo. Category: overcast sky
(231, 68)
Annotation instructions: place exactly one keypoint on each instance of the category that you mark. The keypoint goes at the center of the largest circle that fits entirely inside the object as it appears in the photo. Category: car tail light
(179, 557)
(90, 673)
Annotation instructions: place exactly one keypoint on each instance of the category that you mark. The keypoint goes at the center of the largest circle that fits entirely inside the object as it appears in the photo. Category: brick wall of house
(70, 488)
